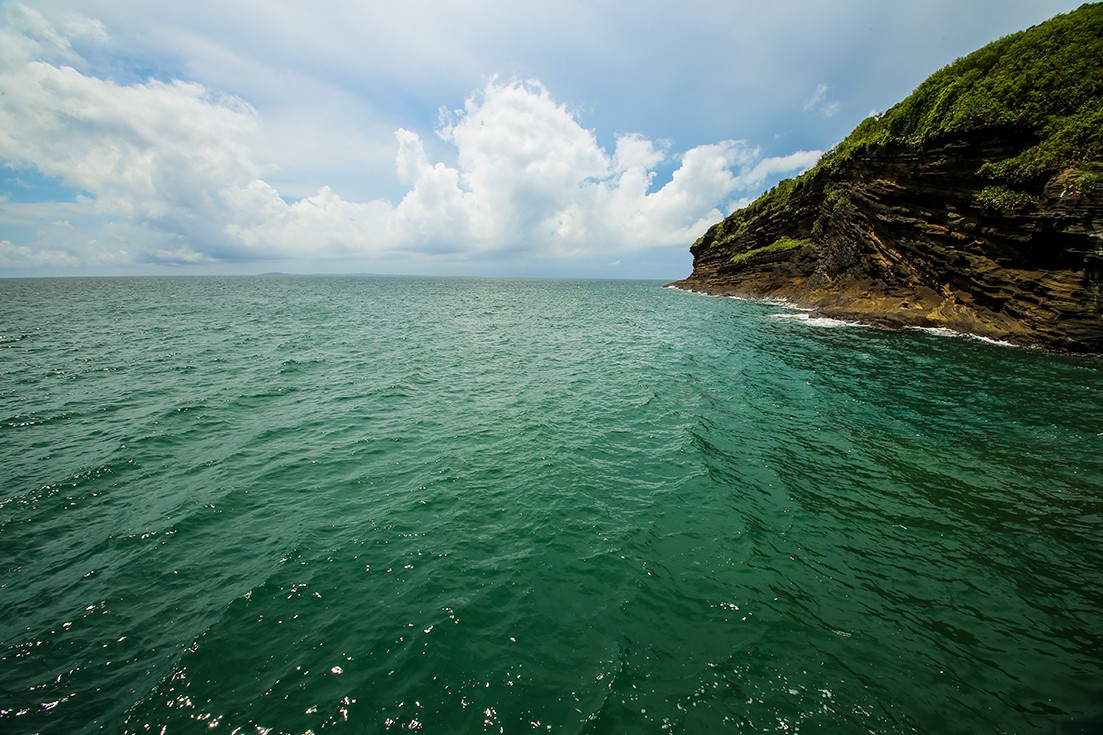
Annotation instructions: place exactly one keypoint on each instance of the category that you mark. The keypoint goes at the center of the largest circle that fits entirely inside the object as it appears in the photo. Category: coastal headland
(976, 204)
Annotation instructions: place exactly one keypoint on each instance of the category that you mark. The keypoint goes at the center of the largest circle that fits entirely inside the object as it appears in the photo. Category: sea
(292, 504)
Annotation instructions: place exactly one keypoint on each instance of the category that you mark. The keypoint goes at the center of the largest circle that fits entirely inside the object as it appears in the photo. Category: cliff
(976, 204)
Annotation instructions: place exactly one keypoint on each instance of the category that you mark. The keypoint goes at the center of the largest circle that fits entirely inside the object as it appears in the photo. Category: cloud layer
(167, 172)
(193, 138)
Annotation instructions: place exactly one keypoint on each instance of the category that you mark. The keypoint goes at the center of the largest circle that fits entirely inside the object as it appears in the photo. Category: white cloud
(819, 102)
(530, 177)
(173, 175)
(757, 175)
(162, 156)
(21, 256)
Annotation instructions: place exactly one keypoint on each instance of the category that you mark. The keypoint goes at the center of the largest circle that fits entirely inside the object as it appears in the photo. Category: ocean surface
(383, 504)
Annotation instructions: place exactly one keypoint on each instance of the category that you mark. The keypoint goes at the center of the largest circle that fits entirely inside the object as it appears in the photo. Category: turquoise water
(292, 504)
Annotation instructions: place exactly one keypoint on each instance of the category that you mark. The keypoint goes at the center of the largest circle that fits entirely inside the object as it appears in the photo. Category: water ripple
(385, 504)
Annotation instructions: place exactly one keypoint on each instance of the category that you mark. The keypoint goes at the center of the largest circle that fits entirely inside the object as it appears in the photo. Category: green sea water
(368, 505)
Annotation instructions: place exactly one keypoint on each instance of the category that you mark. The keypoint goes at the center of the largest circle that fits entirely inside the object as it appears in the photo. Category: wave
(808, 317)
(944, 332)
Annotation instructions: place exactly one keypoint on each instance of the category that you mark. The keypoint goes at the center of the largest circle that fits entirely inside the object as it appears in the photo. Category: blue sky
(427, 137)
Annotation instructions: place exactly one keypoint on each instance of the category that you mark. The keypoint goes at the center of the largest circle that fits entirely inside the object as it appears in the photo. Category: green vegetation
(1084, 181)
(1045, 83)
(785, 243)
(772, 204)
(1003, 197)
(1042, 88)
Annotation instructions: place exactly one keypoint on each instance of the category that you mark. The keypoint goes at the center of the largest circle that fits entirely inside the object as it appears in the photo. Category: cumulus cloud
(170, 175)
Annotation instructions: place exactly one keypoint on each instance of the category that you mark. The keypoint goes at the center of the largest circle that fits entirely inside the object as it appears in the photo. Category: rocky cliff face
(975, 204)
(903, 235)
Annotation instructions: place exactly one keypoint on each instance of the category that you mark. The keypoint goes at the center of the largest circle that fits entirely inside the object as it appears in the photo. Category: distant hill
(975, 204)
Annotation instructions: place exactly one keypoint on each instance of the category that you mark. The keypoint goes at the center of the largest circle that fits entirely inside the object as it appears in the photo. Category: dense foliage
(1045, 83)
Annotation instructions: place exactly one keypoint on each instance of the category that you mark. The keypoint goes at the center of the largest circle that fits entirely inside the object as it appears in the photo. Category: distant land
(976, 204)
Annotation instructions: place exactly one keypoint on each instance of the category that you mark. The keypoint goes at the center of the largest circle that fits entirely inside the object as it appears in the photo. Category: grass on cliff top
(1046, 81)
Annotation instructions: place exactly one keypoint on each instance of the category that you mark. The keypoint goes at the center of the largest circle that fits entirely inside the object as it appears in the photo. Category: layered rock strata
(906, 237)
(975, 204)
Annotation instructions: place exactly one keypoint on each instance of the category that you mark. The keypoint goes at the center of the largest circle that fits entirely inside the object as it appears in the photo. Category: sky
(490, 137)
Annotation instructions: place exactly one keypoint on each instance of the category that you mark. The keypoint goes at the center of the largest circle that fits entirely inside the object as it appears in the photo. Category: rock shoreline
(875, 313)
(899, 237)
